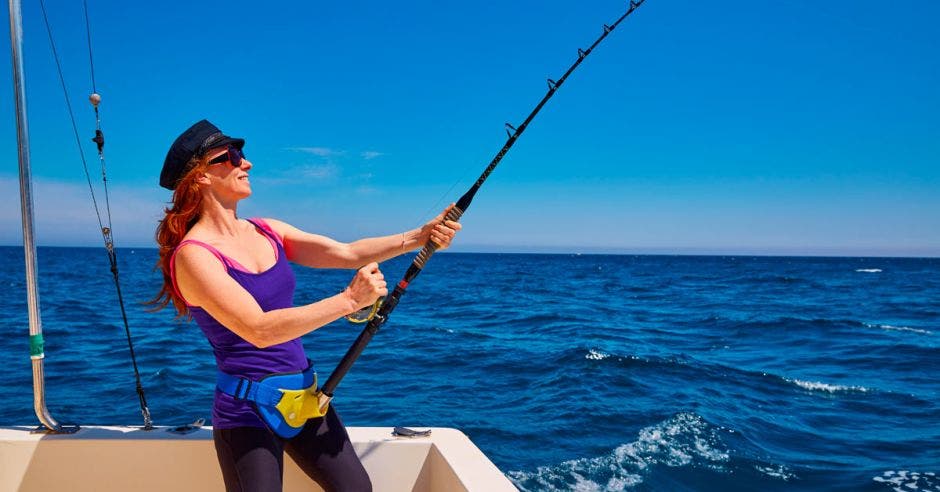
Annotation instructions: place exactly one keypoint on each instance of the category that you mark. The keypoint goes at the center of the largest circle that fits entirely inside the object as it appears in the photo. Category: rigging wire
(106, 230)
(95, 99)
(91, 61)
(68, 105)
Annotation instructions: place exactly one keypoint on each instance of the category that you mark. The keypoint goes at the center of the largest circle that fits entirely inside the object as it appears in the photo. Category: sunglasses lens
(232, 155)
(235, 156)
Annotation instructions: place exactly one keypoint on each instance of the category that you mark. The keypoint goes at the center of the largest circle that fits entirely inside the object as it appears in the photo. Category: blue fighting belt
(284, 401)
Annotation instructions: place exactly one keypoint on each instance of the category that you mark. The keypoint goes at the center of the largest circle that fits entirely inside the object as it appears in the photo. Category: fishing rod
(381, 315)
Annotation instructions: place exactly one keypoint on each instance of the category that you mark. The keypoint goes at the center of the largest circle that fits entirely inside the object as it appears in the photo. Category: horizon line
(615, 251)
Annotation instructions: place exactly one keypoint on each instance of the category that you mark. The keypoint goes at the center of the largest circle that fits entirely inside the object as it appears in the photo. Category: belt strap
(242, 388)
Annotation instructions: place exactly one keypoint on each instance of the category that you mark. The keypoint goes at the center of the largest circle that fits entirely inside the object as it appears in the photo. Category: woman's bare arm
(318, 251)
(203, 282)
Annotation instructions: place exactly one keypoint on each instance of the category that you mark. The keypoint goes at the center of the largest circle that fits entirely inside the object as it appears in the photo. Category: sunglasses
(232, 154)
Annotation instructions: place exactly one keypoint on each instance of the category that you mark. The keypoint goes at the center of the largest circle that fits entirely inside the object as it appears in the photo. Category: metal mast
(36, 351)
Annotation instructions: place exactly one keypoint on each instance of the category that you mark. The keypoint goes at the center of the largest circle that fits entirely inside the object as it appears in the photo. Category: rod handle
(453, 214)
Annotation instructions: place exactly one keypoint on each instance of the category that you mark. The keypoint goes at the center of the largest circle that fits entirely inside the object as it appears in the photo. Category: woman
(231, 275)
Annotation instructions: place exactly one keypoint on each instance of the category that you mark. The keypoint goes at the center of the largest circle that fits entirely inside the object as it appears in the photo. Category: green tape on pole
(36, 345)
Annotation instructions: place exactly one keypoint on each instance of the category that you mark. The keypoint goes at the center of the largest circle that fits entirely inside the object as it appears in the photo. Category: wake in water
(908, 481)
(868, 270)
(683, 440)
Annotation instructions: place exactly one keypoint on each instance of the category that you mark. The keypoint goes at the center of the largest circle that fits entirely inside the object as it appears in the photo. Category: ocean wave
(900, 328)
(775, 471)
(780, 279)
(587, 352)
(596, 355)
(792, 323)
(868, 270)
(831, 388)
(713, 370)
(906, 481)
(686, 439)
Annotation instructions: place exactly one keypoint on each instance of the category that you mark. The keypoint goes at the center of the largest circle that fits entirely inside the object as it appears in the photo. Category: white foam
(869, 270)
(596, 355)
(775, 471)
(906, 481)
(685, 439)
(831, 388)
(900, 328)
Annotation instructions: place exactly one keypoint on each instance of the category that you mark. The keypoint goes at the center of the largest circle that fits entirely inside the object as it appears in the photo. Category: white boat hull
(128, 458)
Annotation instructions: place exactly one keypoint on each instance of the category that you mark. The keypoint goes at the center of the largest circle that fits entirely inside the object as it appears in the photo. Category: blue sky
(789, 127)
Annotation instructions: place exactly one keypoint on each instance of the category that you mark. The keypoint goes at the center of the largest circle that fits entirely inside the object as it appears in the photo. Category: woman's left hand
(440, 231)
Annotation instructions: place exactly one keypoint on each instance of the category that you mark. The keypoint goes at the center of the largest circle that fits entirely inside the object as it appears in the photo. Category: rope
(105, 230)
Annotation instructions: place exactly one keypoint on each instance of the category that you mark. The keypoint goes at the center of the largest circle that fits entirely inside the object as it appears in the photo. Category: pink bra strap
(273, 237)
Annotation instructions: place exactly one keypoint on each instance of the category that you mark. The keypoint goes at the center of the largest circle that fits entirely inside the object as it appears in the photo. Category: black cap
(194, 142)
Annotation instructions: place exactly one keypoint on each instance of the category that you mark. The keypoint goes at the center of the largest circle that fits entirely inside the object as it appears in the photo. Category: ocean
(571, 372)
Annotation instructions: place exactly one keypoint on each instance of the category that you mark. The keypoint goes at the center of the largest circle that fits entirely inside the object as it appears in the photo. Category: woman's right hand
(366, 286)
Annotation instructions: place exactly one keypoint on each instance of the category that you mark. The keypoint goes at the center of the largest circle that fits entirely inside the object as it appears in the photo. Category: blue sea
(571, 372)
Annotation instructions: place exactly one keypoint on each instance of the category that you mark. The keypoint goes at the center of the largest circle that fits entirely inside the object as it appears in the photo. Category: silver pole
(26, 205)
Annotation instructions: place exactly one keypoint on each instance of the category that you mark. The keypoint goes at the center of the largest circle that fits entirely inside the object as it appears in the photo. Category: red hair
(179, 218)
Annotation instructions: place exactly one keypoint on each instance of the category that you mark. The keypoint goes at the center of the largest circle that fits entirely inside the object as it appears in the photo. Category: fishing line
(427, 213)
(106, 231)
(376, 320)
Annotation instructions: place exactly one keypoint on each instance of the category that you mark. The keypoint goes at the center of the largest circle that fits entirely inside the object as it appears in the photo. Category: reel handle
(365, 314)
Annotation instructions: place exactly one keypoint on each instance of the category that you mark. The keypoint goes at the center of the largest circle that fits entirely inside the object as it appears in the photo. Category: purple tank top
(272, 289)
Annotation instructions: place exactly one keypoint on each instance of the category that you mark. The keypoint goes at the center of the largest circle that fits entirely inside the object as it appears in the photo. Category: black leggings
(252, 458)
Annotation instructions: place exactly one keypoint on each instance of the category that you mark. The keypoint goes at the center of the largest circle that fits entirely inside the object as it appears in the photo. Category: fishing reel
(365, 314)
